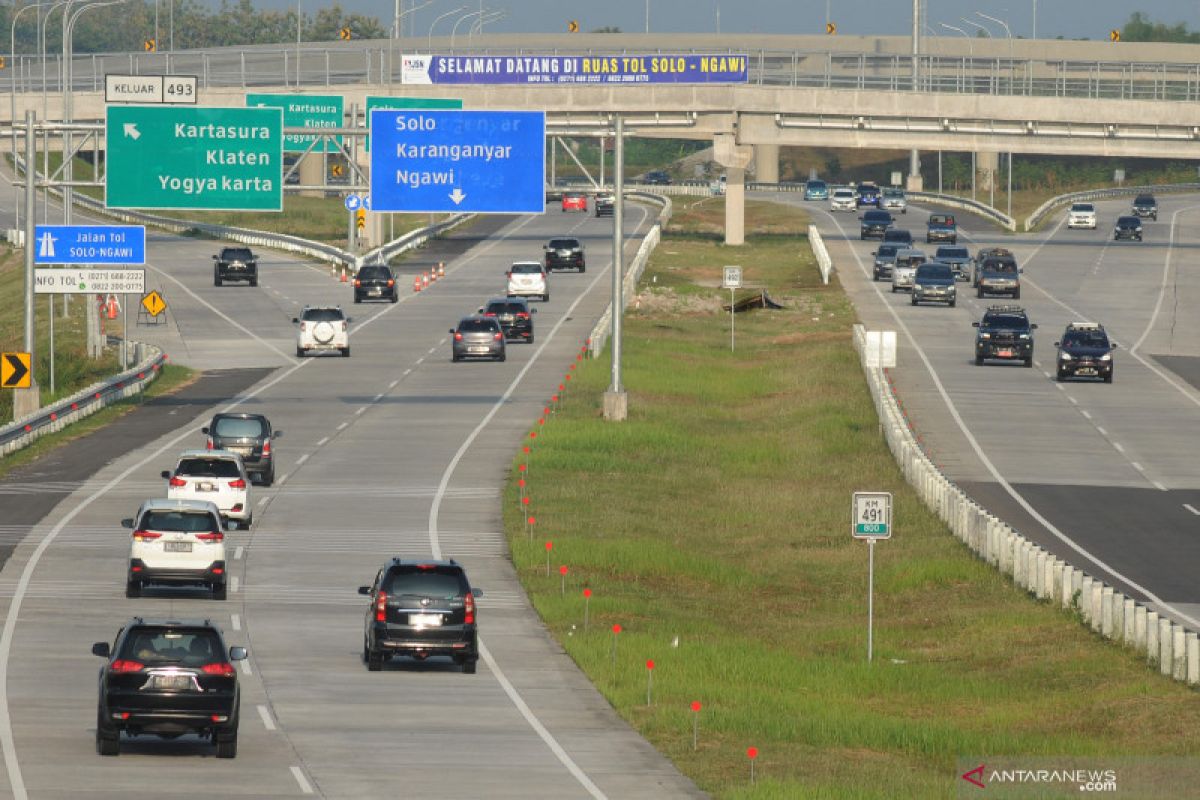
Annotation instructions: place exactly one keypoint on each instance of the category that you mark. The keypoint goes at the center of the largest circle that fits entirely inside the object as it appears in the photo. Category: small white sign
(150, 89)
(732, 278)
(872, 515)
(89, 281)
(879, 349)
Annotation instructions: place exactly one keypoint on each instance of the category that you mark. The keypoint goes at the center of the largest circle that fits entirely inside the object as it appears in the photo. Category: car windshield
(476, 326)
(886, 250)
(501, 307)
(179, 522)
(437, 582)
(322, 315)
(1086, 339)
(1005, 321)
(563, 244)
(1129, 222)
(236, 254)
(941, 219)
(843, 193)
(877, 216)
(1144, 200)
(1083, 208)
(375, 273)
(208, 468)
(816, 184)
(575, 196)
(526, 269)
(934, 272)
(238, 428)
(184, 647)
(893, 193)
(995, 265)
(953, 252)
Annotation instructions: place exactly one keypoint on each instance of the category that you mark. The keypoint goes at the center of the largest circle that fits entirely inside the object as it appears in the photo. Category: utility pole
(616, 401)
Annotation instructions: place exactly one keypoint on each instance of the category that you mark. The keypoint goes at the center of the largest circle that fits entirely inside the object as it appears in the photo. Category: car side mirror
(166, 474)
(101, 649)
(237, 654)
(1113, 346)
(1020, 270)
(204, 430)
(1033, 327)
(364, 590)
(974, 324)
(215, 258)
(874, 252)
(476, 591)
(127, 523)
(480, 311)
(295, 320)
(533, 311)
(1058, 344)
(276, 434)
(349, 319)
(452, 330)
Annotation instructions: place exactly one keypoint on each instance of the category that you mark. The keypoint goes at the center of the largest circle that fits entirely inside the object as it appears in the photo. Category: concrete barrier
(824, 262)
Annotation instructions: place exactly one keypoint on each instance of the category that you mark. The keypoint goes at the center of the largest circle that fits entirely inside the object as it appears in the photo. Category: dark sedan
(514, 315)
(874, 224)
(1128, 228)
(477, 337)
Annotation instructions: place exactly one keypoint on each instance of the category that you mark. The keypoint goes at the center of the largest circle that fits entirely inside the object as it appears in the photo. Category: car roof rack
(1007, 308)
(1084, 326)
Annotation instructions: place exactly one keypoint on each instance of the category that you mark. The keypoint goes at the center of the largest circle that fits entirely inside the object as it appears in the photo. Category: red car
(574, 201)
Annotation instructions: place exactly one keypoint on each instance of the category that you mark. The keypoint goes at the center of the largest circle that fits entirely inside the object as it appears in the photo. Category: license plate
(425, 620)
(477, 349)
(1004, 353)
(205, 486)
(376, 292)
(171, 683)
(242, 451)
(1085, 371)
(177, 547)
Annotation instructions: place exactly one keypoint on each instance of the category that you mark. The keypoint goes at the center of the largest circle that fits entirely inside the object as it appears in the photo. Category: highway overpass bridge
(984, 96)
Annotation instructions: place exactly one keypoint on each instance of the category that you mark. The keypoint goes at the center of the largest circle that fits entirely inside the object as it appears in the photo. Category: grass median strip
(713, 527)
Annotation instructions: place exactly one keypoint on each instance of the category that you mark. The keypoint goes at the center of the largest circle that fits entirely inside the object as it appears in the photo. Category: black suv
(606, 205)
(167, 678)
(563, 253)
(376, 283)
(867, 195)
(421, 608)
(1006, 333)
(514, 315)
(657, 178)
(898, 236)
(1144, 205)
(1128, 227)
(235, 264)
(874, 224)
(1085, 351)
(248, 435)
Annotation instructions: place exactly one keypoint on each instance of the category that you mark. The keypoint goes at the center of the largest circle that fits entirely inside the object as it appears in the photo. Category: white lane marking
(245, 662)
(1191, 508)
(7, 744)
(237, 553)
(433, 350)
(1086, 414)
(321, 442)
(343, 426)
(1137, 466)
(419, 360)
(301, 459)
(233, 584)
(395, 383)
(1102, 431)
(1074, 402)
(235, 620)
(360, 411)
(1159, 486)
(298, 774)
(987, 462)
(263, 501)
(436, 547)
(407, 371)
(266, 717)
(378, 397)
(283, 478)
(1117, 446)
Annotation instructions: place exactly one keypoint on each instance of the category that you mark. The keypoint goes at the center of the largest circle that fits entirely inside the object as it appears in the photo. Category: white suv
(218, 476)
(322, 328)
(1082, 215)
(176, 542)
(843, 199)
(528, 279)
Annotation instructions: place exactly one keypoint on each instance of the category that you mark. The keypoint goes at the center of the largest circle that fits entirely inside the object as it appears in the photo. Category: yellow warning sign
(154, 304)
(573, 26)
(14, 370)
(150, 45)
(831, 28)
(346, 34)
(361, 218)
(1115, 35)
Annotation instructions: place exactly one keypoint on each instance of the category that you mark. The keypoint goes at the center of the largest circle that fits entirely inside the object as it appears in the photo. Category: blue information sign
(614, 69)
(445, 161)
(353, 201)
(89, 244)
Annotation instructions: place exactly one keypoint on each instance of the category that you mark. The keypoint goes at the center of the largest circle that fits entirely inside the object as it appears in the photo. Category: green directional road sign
(408, 102)
(304, 111)
(198, 158)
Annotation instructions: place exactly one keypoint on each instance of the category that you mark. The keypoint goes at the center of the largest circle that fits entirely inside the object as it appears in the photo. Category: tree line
(126, 26)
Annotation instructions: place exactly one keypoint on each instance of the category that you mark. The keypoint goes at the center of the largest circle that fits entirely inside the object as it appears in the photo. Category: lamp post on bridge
(429, 39)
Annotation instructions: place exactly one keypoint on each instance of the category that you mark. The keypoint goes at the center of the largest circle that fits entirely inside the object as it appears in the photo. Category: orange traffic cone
(113, 306)
(416, 283)
(344, 278)
(425, 279)
(441, 269)
(433, 276)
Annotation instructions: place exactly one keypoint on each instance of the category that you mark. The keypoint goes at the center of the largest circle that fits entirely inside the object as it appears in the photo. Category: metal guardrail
(1173, 647)
(1042, 211)
(50, 419)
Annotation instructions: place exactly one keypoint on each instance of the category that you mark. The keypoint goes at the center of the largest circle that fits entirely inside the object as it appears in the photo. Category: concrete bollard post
(1152, 651)
(1085, 598)
(1178, 653)
(1006, 548)
(994, 539)
(1056, 580)
(1193, 659)
(1106, 612)
(1068, 585)
(1047, 592)
(1130, 612)
(1018, 561)
(1165, 644)
(1097, 619)
(1141, 626)
(1039, 573)
(1118, 612)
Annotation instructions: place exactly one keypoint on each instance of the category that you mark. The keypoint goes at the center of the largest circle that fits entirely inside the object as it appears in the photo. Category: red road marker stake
(649, 680)
(587, 603)
(752, 754)
(616, 630)
(521, 483)
(695, 724)
(549, 547)
(529, 523)
(562, 572)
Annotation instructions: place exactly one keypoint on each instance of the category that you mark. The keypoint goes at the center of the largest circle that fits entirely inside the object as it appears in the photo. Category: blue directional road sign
(353, 201)
(446, 161)
(89, 244)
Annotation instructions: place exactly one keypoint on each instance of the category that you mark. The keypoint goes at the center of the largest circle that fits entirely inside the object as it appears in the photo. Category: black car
(1128, 228)
(874, 224)
(605, 205)
(983, 254)
(1005, 333)
(867, 194)
(248, 435)
(235, 264)
(166, 678)
(1085, 352)
(959, 259)
(564, 253)
(376, 283)
(420, 609)
(477, 337)
(901, 237)
(934, 282)
(657, 178)
(998, 275)
(1144, 205)
(514, 315)
(885, 259)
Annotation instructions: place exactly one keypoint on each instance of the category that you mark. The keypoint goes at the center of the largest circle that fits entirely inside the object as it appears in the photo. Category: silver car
(904, 270)
(894, 200)
(477, 336)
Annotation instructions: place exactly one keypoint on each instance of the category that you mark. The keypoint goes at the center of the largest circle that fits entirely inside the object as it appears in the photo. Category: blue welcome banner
(560, 70)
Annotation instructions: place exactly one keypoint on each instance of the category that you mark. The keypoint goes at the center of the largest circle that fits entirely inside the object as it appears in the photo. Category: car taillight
(357, 283)
(224, 669)
(123, 665)
(458, 337)
(469, 608)
(381, 607)
(237, 484)
(522, 315)
(490, 314)
(266, 447)
(178, 482)
(214, 536)
(497, 336)
(209, 445)
(391, 282)
(343, 326)
(145, 536)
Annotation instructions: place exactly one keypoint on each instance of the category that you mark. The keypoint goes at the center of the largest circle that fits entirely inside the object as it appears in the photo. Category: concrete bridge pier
(915, 182)
(766, 163)
(311, 174)
(734, 158)
(986, 167)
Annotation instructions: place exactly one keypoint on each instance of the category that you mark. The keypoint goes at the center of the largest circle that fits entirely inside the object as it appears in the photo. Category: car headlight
(1064, 356)
(1106, 357)
(1138, 229)
(1024, 335)
(985, 336)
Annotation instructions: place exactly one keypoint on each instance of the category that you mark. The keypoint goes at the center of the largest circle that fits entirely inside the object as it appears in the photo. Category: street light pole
(459, 21)
(647, 16)
(914, 156)
(429, 39)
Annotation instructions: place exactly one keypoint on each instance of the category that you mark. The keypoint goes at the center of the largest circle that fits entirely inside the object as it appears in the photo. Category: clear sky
(1091, 19)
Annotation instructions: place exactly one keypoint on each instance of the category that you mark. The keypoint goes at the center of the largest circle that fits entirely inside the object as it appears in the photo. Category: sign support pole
(125, 332)
(50, 301)
(732, 292)
(870, 598)
(30, 207)
(616, 401)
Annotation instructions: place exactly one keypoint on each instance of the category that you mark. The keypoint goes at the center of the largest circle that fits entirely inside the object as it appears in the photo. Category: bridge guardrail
(86, 402)
(1043, 211)
(1173, 647)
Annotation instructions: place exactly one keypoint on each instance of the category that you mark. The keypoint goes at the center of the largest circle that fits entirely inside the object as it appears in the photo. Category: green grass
(718, 514)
